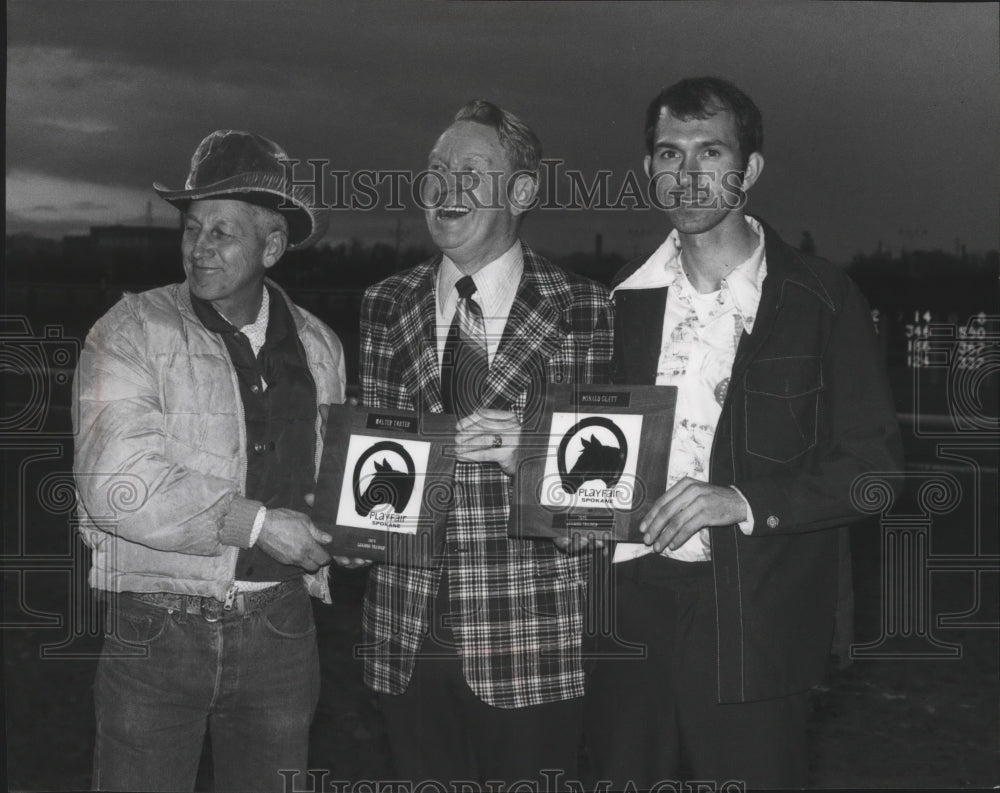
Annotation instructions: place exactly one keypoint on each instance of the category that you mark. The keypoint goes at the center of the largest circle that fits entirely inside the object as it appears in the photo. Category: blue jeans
(164, 675)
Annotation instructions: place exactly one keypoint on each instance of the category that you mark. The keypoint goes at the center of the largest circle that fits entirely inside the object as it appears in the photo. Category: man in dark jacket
(782, 403)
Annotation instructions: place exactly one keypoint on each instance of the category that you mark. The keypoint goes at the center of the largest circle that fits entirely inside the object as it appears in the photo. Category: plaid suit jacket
(516, 606)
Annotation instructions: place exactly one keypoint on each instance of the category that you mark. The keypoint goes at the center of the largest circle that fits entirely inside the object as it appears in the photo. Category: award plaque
(385, 486)
(598, 465)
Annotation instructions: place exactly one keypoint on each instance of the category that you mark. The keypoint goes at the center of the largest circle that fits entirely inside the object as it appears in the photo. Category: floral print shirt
(700, 336)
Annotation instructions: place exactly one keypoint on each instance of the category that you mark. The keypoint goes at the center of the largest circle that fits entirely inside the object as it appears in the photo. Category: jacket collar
(279, 320)
(185, 303)
(787, 269)
(411, 333)
(663, 269)
(785, 266)
(533, 333)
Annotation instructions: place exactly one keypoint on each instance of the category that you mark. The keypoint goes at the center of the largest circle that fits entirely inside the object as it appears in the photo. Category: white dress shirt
(496, 287)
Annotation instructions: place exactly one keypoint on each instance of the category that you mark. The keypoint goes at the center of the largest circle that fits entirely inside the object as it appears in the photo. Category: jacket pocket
(558, 584)
(782, 404)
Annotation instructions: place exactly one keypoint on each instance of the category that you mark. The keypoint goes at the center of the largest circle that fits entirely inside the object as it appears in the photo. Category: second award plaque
(598, 464)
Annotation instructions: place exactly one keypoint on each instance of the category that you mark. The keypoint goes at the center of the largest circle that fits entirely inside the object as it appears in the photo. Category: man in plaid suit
(478, 660)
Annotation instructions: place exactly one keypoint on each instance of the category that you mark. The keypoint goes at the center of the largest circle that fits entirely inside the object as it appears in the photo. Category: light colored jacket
(160, 457)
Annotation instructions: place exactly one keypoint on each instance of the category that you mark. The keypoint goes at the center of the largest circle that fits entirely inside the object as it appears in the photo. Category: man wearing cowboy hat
(198, 436)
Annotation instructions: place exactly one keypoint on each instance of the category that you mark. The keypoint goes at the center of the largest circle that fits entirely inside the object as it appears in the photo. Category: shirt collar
(493, 282)
(663, 269)
(259, 325)
(217, 322)
(256, 331)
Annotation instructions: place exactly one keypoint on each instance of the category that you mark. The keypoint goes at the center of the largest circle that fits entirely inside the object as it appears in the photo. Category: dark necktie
(465, 364)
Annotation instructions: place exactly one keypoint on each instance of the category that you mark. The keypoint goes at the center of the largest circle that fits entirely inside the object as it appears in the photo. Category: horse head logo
(386, 485)
(596, 460)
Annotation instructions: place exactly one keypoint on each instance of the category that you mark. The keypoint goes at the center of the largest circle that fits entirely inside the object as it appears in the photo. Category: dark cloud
(68, 82)
(878, 116)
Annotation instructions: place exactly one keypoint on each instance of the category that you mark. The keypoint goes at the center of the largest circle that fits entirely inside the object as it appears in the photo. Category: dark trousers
(439, 730)
(165, 675)
(658, 718)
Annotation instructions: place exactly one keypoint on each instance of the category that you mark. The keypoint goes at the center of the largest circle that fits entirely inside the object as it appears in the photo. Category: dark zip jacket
(808, 410)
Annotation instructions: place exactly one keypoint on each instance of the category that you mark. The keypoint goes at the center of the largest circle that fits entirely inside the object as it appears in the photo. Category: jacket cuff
(237, 524)
(746, 525)
(766, 505)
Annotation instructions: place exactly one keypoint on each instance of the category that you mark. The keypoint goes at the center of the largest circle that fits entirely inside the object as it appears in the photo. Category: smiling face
(699, 171)
(227, 249)
(469, 210)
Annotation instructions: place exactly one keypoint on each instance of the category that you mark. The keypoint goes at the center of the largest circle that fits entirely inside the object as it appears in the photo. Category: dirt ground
(893, 721)
(881, 723)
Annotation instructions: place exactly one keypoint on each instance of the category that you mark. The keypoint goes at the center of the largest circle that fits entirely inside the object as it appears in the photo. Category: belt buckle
(211, 609)
(240, 606)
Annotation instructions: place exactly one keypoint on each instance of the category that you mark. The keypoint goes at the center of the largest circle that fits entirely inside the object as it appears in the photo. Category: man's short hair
(701, 97)
(267, 220)
(521, 144)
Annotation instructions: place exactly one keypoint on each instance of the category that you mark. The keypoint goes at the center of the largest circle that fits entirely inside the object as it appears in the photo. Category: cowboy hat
(247, 167)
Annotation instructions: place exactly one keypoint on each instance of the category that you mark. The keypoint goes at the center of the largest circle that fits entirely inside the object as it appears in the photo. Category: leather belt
(212, 609)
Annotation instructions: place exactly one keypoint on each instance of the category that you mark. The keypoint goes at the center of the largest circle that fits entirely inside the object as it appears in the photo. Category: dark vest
(280, 422)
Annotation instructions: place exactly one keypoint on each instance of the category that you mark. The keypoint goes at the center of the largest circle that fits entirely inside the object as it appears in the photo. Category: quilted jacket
(160, 456)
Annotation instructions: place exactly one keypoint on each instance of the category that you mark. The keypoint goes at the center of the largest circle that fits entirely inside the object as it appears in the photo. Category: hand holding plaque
(598, 464)
(384, 485)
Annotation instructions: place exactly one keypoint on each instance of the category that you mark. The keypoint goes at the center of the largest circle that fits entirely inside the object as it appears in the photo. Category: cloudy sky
(881, 119)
